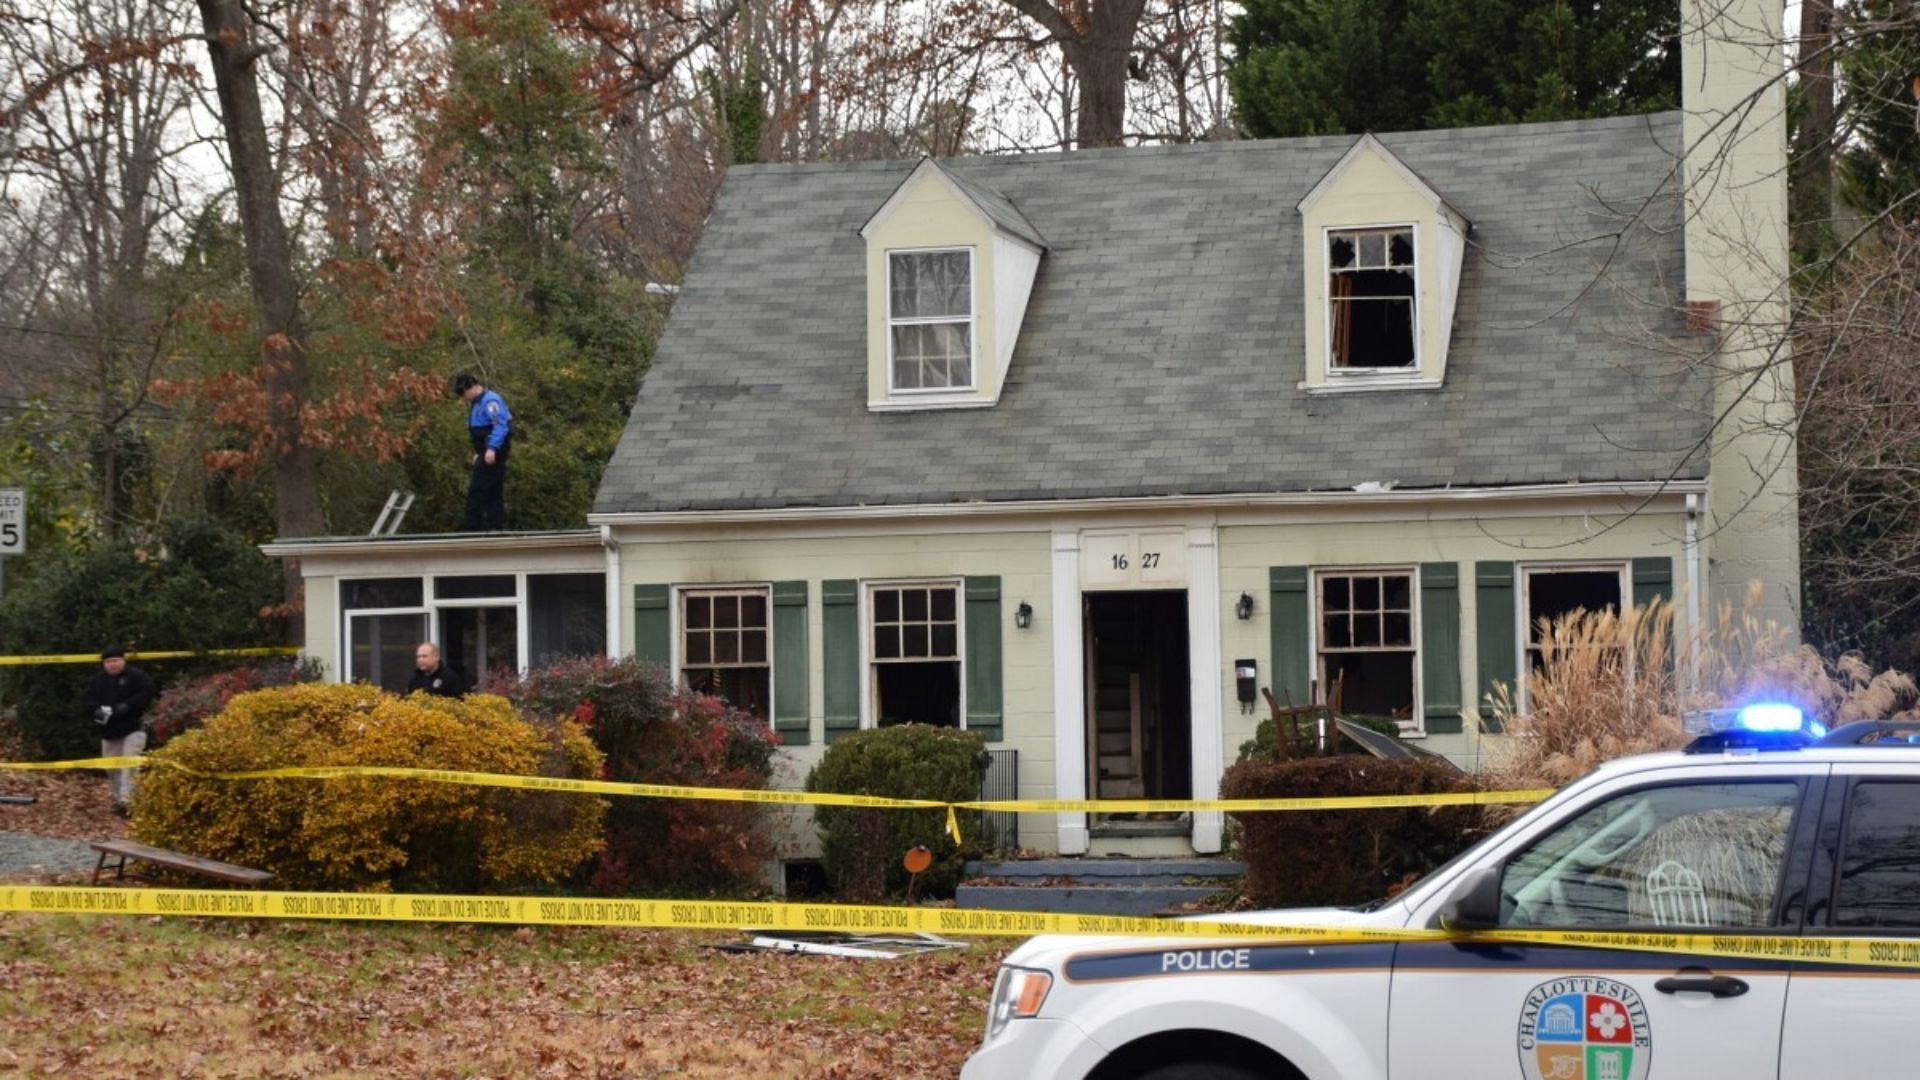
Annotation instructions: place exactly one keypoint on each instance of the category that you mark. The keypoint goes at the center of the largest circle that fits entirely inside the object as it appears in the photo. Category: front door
(1139, 729)
(1684, 855)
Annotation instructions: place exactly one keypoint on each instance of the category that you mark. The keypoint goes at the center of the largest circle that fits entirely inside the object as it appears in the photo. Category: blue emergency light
(1760, 726)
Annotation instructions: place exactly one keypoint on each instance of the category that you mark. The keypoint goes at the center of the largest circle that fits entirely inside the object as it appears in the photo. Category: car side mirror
(1475, 903)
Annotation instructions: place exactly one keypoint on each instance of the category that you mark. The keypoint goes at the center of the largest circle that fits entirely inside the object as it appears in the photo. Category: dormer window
(930, 320)
(1371, 300)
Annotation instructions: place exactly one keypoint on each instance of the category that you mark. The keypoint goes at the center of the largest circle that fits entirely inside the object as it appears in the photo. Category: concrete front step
(1105, 871)
(1081, 899)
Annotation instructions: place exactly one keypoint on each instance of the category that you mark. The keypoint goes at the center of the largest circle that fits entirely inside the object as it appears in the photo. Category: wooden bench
(193, 864)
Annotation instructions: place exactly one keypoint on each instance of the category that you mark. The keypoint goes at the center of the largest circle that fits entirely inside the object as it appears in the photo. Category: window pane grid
(930, 316)
(722, 629)
(915, 623)
(1366, 613)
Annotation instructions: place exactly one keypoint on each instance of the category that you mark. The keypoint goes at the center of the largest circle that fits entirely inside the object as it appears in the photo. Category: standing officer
(117, 698)
(490, 426)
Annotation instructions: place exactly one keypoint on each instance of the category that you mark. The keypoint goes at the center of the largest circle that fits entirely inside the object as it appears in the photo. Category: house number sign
(1133, 559)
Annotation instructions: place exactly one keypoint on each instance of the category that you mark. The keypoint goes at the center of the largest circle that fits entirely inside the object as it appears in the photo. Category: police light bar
(1763, 724)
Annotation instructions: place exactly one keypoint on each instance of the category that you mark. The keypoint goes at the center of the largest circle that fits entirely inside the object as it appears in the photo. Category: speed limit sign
(13, 521)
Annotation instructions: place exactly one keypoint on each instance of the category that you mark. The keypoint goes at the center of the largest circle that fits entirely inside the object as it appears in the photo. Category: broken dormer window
(930, 320)
(1370, 298)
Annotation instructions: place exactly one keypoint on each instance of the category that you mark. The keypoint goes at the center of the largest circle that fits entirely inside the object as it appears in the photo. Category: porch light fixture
(1023, 615)
(1244, 608)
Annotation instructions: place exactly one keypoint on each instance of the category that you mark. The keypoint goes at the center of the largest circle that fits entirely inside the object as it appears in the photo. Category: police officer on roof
(490, 426)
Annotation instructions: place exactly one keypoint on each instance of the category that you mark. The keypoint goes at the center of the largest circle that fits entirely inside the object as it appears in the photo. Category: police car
(1761, 827)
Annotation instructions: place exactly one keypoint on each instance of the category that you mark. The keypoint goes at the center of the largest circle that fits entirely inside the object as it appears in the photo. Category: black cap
(112, 651)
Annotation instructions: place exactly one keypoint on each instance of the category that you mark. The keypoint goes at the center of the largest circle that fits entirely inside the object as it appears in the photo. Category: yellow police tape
(816, 798)
(958, 922)
(94, 658)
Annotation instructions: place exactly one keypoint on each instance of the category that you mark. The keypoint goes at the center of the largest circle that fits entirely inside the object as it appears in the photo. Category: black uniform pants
(487, 490)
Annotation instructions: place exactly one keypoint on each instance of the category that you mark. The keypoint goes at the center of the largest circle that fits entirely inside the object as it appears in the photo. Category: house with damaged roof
(1080, 450)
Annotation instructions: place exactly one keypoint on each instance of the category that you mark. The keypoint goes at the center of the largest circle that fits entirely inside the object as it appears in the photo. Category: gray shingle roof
(1162, 349)
(998, 208)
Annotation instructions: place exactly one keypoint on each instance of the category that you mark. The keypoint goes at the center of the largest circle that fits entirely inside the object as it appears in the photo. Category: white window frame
(1524, 624)
(972, 321)
(1417, 725)
(677, 629)
(431, 606)
(868, 715)
(1335, 371)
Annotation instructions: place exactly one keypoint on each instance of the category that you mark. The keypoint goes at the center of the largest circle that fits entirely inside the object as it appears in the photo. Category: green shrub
(375, 833)
(190, 703)
(862, 849)
(1342, 857)
(190, 585)
(652, 733)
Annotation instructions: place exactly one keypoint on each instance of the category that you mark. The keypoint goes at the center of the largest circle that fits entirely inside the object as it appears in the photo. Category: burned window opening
(916, 655)
(1367, 652)
(1370, 297)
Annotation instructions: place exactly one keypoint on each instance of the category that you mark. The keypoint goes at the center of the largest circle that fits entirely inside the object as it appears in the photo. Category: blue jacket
(490, 411)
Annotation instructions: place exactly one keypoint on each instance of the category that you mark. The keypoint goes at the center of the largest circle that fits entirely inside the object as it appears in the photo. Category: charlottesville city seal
(1584, 1027)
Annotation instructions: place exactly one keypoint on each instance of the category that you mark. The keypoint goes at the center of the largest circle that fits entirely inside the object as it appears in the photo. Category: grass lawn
(140, 997)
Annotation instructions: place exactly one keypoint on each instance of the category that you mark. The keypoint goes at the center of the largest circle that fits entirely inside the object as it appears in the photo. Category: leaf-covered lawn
(217, 998)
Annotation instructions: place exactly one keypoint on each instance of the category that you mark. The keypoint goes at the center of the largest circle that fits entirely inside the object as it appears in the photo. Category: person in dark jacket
(490, 427)
(430, 676)
(117, 699)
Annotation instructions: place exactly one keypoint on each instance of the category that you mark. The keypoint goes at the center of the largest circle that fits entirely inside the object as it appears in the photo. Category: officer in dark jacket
(433, 677)
(490, 427)
(117, 699)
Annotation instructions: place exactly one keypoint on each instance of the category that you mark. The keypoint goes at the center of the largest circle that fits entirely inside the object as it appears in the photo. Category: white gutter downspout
(613, 590)
(1696, 585)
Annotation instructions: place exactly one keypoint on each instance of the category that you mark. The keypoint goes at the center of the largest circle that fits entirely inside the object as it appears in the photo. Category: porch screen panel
(568, 614)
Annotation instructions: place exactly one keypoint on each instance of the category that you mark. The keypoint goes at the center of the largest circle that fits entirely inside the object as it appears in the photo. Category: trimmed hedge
(374, 833)
(862, 849)
(1344, 857)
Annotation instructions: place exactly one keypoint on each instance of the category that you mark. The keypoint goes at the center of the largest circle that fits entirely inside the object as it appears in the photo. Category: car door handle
(1698, 981)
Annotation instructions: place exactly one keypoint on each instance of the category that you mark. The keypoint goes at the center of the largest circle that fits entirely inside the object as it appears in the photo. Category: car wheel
(1198, 1070)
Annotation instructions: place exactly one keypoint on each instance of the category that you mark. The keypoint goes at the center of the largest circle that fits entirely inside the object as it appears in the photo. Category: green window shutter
(1290, 611)
(653, 623)
(840, 655)
(982, 659)
(1440, 646)
(1493, 600)
(1652, 578)
(790, 662)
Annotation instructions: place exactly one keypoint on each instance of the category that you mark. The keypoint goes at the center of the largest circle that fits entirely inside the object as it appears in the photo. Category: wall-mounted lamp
(1244, 608)
(1023, 615)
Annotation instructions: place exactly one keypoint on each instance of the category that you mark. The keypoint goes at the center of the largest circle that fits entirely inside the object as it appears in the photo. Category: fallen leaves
(219, 998)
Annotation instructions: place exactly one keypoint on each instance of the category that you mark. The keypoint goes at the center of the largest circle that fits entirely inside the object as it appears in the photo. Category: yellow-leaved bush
(375, 833)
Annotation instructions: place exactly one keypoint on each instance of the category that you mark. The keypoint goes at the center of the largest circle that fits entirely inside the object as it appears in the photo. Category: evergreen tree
(1312, 67)
(1880, 72)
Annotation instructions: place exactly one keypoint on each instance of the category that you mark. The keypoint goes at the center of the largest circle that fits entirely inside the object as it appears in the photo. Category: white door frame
(1204, 676)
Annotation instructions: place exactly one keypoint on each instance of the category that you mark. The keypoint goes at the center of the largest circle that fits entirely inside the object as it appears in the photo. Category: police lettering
(1205, 960)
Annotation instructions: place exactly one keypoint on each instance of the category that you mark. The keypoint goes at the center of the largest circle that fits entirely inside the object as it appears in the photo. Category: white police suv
(1761, 828)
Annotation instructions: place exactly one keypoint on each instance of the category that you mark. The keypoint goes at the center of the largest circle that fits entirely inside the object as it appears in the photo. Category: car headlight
(1017, 994)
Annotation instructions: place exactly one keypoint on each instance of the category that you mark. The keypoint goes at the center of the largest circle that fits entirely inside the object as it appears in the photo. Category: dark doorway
(1139, 696)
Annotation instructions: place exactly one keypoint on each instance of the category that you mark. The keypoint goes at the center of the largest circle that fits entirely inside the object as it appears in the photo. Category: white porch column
(1069, 691)
(615, 592)
(1203, 648)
